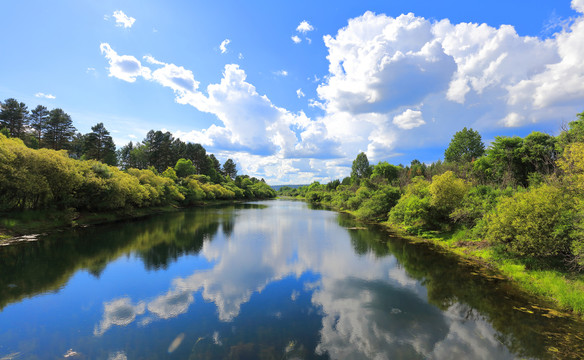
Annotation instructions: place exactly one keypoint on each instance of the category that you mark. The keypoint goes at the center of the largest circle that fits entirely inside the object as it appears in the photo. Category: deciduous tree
(465, 146)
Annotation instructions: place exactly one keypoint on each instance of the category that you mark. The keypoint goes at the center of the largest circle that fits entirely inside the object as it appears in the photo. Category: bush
(413, 208)
(539, 222)
(379, 204)
(447, 191)
(477, 202)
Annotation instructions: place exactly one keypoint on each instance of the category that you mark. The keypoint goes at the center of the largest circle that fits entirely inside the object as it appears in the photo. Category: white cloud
(370, 306)
(223, 46)
(45, 96)
(171, 304)
(409, 119)
(123, 20)
(304, 27)
(151, 60)
(299, 93)
(281, 73)
(379, 63)
(124, 67)
(578, 5)
(513, 120)
(118, 312)
(384, 73)
(240, 56)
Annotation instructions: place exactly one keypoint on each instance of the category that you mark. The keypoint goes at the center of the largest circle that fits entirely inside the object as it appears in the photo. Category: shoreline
(563, 291)
(35, 222)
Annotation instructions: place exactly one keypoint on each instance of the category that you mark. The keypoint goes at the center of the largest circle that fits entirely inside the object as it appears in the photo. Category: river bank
(552, 283)
(31, 222)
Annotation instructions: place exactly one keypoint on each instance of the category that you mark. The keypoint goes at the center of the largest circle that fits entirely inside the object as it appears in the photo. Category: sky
(293, 91)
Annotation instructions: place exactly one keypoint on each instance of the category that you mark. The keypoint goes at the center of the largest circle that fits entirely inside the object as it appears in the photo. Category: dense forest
(521, 196)
(45, 163)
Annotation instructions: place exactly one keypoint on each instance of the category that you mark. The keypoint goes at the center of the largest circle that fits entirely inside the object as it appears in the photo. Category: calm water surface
(264, 280)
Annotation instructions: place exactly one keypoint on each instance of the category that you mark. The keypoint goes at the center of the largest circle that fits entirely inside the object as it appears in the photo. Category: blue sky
(293, 91)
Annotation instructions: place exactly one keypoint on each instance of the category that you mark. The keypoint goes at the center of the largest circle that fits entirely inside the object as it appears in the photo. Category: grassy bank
(550, 280)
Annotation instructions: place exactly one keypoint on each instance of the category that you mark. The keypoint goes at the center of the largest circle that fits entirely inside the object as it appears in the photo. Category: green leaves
(465, 146)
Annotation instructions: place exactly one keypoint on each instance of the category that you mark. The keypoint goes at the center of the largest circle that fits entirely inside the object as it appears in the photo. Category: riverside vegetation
(49, 173)
(517, 205)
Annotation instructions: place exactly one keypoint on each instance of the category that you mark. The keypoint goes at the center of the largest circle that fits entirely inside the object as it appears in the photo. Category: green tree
(38, 120)
(214, 169)
(100, 146)
(539, 153)
(386, 171)
(159, 149)
(59, 130)
(184, 168)
(77, 146)
(360, 168)
(14, 117)
(465, 146)
(198, 155)
(505, 159)
(230, 169)
(572, 133)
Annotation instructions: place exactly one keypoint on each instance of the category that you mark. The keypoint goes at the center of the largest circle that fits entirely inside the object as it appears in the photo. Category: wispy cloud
(223, 46)
(123, 20)
(281, 73)
(299, 93)
(45, 96)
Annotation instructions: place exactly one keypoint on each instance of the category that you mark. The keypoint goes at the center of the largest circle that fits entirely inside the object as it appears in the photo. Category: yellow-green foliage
(36, 179)
(572, 164)
(106, 188)
(539, 222)
(447, 191)
(413, 208)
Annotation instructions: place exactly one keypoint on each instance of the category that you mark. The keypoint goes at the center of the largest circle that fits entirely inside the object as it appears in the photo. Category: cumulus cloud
(578, 5)
(385, 72)
(123, 20)
(299, 93)
(223, 46)
(124, 67)
(304, 27)
(409, 119)
(45, 96)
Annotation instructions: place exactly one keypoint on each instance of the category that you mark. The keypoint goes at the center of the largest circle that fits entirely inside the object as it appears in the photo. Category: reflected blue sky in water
(283, 277)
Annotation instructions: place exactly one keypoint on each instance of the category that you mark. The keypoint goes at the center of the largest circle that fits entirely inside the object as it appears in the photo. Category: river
(262, 280)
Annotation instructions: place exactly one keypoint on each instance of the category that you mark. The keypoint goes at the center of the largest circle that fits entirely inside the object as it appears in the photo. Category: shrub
(539, 222)
(379, 204)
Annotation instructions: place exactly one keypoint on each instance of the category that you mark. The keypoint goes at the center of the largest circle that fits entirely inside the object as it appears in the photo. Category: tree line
(45, 163)
(523, 195)
(41, 128)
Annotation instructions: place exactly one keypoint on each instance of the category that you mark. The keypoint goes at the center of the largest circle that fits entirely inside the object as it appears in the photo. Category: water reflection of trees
(33, 268)
(527, 330)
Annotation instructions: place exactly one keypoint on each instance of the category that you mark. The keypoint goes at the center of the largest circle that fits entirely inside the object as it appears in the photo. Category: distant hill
(278, 187)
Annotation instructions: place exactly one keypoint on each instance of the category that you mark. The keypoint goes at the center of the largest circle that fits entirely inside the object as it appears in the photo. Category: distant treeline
(525, 196)
(44, 163)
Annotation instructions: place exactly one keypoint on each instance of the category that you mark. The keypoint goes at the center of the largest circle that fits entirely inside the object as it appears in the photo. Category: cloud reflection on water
(371, 307)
